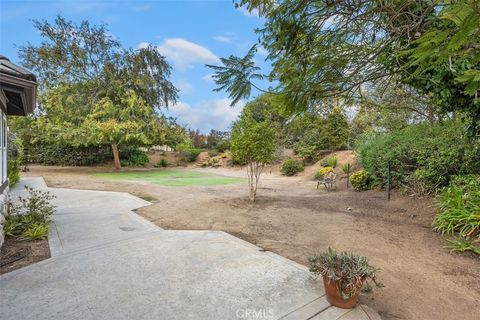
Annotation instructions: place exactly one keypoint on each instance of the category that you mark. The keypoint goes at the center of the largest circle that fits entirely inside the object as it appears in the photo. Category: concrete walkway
(109, 263)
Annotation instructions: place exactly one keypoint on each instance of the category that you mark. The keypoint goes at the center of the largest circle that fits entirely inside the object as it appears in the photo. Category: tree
(95, 92)
(321, 49)
(253, 144)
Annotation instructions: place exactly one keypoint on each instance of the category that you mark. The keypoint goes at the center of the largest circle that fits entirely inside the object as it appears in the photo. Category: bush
(30, 217)
(291, 167)
(50, 154)
(429, 154)
(190, 155)
(459, 212)
(329, 162)
(320, 174)
(361, 180)
(15, 159)
(134, 158)
(162, 163)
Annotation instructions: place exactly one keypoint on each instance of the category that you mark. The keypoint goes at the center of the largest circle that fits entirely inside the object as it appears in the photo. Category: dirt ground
(17, 253)
(294, 219)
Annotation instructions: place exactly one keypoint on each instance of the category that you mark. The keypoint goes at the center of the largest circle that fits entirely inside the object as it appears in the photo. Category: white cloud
(208, 77)
(184, 53)
(224, 39)
(184, 86)
(262, 51)
(212, 114)
(253, 13)
(143, 45)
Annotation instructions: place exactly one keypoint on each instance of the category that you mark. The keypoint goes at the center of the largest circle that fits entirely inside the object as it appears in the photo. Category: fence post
(389, 180)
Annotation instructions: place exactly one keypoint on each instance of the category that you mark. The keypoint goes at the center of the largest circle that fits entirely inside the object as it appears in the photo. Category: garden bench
(328, 181)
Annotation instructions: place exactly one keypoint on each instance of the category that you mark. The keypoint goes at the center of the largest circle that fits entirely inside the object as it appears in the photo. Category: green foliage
(162, 163)
(15, 159)
(313, 133)
(350, 270)
(429, 154)
(346, 168)
(361, 180)
(29, 218)
(63, 155)
(329, 162)
(102, 94)
(36, 231)
(320, 49)
(459, 211)
(291, 167)
(190, 155)
(463, 245)
(252, 140)
(134, 158)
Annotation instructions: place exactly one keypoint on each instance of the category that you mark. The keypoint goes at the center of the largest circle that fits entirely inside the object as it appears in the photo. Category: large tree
(320, 49)
(94, 90)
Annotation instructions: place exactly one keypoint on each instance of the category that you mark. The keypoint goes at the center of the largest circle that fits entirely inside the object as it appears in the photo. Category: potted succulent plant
(344, 275)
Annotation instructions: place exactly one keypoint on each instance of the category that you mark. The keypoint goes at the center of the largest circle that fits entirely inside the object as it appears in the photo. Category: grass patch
(172, 178)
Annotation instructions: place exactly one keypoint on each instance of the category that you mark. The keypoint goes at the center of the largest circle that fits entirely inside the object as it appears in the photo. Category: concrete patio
(109, 263)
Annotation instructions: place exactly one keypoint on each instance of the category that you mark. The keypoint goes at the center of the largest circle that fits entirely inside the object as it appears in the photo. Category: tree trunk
(116, 157)
(254, 170)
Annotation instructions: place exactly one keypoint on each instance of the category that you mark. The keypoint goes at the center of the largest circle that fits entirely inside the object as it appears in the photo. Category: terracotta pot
(332, 291)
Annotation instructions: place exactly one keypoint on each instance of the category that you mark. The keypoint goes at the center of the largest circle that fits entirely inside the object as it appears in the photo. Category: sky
(190, 33)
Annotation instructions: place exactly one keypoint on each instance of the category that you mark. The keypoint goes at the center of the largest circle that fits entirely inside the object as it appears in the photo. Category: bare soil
(17, 253)
(423, 280)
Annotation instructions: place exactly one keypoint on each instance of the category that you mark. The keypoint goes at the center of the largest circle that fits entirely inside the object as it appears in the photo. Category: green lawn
(171, 177)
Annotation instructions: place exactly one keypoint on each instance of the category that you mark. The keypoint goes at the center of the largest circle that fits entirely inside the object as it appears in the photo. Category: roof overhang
(18, 89)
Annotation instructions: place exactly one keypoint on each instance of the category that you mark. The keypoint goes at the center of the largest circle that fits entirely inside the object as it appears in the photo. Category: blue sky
(189, 33)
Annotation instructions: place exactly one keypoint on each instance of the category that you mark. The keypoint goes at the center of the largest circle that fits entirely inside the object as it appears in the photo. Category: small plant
(346, 168)
(361, 180)
(459, 212)
(36, 231)
(291, 167)
(329, 162)
(320, 174)
(30, 217)
(162, 163)
(346, 271)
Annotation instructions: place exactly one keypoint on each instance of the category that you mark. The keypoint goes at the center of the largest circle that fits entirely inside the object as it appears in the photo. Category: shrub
(429, 154)
(15, 159)
(349, 269)
(29, 218)
(329, 162)
(190, 155)
(361, 180)
(162, 163)
(320, 174)
(134, 158)
(291, 167)
(459, 212)
(213, 152)
(51, 154)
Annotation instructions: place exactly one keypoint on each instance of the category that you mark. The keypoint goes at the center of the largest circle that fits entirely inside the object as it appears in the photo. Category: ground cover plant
(459, 213)
(30, 217)
(173, 178)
